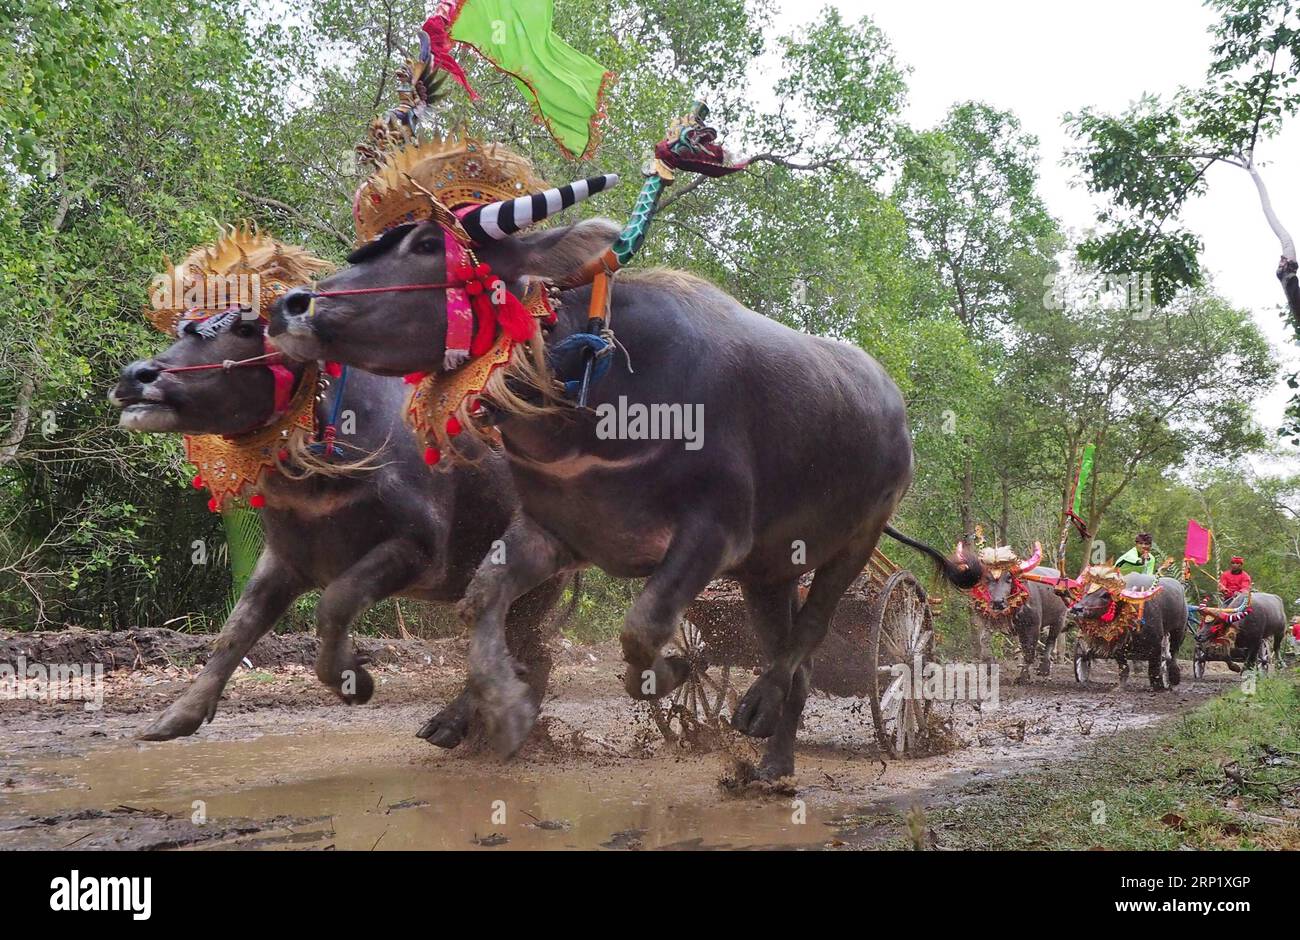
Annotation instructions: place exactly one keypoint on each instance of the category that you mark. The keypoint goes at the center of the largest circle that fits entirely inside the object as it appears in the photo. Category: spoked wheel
(900, 641)
(697, 704)
(1082, 663)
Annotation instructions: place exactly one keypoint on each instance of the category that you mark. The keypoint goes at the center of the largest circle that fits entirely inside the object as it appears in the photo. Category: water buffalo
(1105, 613)
(1222, 637)
(802, 455)
(390, 529)
(1023, 609)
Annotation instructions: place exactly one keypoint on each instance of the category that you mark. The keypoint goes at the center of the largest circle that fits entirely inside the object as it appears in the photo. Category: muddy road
(284, 765)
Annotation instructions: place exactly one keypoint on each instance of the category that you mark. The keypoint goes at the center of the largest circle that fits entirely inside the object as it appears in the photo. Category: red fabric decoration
(197, 482)
(486, 314)
(439, 32)
(333, 370)
(432, 455)
(414, 378)
(212, 505)
(515, 318)
(257, 501)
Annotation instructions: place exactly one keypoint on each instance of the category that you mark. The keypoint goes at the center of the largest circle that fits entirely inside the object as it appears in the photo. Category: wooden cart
(884, 621)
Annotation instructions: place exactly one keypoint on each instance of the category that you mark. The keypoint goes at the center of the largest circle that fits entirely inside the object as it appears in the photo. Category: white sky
(1041, 59)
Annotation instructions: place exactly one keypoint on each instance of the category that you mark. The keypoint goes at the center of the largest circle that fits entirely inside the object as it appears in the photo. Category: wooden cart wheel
(1082, 662)
(698, 702)
(899, 634)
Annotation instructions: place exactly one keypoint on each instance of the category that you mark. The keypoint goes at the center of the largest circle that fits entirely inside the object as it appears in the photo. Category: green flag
(1085, 471)
(566, 86)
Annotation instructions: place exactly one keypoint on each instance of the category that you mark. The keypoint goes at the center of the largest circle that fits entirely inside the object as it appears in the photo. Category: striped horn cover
(498, 220)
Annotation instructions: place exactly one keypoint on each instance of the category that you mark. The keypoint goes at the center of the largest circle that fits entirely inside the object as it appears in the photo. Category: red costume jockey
(1234, 581)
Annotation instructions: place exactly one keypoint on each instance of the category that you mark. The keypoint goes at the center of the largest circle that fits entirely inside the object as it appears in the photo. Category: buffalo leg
(695, 555)
(527, 644)
(980, 637)
(772, 611)
(1050, 653)
(381, 572)
(268, 594)
(502, 699)
(1028, 651)
(763, 709)
(1122, 663)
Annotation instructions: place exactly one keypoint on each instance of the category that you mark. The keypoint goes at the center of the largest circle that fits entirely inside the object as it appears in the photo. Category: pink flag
(1198, 543)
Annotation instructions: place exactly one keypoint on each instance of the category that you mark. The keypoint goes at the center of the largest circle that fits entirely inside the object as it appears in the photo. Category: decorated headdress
(243, 271)
(478, 193)
(232, 467)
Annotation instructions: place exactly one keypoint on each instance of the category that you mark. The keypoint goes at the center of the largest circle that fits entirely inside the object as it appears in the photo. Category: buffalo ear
(561, 253)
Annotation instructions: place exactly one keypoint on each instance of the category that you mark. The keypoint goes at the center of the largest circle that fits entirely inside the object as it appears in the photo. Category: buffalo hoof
(357, 688)
(1044, 669)
(181, 719)
(508, 714)
(449, 727)
(774, 767)
(760, 710)
(1024, 677)
(667, 673)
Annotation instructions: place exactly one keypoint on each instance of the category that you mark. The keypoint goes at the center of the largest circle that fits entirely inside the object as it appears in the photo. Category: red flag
(1198, 543)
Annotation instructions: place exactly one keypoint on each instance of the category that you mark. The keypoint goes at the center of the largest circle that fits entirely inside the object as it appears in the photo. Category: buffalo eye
(246, 329)
(428, 245)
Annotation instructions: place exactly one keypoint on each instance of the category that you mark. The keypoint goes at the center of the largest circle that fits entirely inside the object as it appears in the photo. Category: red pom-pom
(197, 482)
(212, 505)
(453, 426)
(283, 456)
(474, 288)
(483, 271)
(414, 378)
(432, 455)
(333, 369)
(257, 501)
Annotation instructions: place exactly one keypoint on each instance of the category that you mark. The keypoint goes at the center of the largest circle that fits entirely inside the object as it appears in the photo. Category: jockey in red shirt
(1234, 581)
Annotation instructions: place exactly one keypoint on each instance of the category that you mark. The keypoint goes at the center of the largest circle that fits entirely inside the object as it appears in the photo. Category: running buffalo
(1220, 636)
(1107, 597)
(1025, 609)
(387, 529)
(804, 457)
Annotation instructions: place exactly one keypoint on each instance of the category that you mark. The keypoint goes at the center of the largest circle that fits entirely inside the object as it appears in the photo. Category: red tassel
(333, 370)
(453, 426)
(439, 32)
(486, 333)
(1109, 615)
(212, 505)
(197, 482)
(432, 455)
(257, 501)
(516, 320)
(414, 378)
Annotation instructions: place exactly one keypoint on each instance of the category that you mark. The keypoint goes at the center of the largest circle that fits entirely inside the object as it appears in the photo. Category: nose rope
(227, 364)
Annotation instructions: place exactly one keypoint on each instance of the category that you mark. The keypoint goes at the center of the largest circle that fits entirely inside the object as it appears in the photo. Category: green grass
(1162, 789)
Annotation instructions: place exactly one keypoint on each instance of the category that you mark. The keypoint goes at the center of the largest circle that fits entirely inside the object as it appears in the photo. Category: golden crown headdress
(241, 268)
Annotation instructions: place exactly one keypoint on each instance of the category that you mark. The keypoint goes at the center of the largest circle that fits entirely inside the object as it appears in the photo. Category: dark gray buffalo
(1008, 602)
(392, 529)
(799, 458)
(1109, 598)
(1254, 640)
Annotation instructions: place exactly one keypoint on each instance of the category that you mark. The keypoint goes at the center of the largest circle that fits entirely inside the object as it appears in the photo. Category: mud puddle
(270, 774)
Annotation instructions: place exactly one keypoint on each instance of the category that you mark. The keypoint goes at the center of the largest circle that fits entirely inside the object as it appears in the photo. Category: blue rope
(335, 411)
(601, 348)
